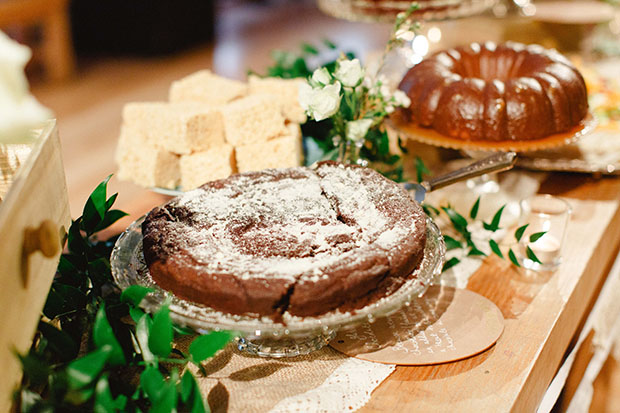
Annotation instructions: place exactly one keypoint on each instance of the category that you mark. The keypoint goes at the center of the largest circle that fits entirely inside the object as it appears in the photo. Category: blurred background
(90, 57)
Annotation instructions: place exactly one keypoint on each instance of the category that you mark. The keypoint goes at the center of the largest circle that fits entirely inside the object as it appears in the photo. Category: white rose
(20, 112)
(321, 76)
(349, 72)
(357, 129)
(320, 103)
(401, 99)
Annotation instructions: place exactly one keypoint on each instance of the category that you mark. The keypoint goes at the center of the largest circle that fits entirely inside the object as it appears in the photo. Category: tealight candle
(546, 248)
(543, 214)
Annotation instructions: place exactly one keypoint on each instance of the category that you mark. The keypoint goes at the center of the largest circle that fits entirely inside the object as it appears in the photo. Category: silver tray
(592, 154)
(261, 335)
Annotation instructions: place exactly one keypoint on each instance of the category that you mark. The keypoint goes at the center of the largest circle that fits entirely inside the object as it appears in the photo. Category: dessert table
(543, 313)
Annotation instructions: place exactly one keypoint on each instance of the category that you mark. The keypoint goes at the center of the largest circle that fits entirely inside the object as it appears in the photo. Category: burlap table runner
(236, 381)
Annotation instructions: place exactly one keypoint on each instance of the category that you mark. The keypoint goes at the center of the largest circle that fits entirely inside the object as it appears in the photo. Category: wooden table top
(542, 312)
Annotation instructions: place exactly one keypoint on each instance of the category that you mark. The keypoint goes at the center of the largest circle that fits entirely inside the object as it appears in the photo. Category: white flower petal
(401, 98)
(349, 72)
(320, 103)
(321, 76)
(356, 130)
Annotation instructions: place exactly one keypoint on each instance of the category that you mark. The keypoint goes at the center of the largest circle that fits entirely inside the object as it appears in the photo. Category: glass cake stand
(260, 335)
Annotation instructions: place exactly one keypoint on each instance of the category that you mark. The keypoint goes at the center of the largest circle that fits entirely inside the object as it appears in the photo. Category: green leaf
(494, 225)
(59, 341)
(182, 331)
(451, 243)
(104, 336)
(54, 304)
(473, 251)
(136, 314)
(187, 386)
(309, 49)
(75, 241)
(530, 254)
(110, 201)
(420, 169)
(329, 44)
(83, 371)
(99, 271)
(35, 369)
(450, 263)
(95, 207)
(402, 146)
(430, 210)
(536, 236)
(110, 218)
(80, 396)
(167, 400)
(519, 232)
(206, 346)
(29, 401)
(513, 258)
(104, 401)
(134, 294)
(459, 222)
(151, 382)
(65, 266)
(63, 298)
(160, 333)
(474, 209)
(143, 327)
(198, 404)
(190, 393)
(495, 248)
(384, 144)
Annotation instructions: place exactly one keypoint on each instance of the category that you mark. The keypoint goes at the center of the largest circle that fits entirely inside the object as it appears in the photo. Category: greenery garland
(95, 349)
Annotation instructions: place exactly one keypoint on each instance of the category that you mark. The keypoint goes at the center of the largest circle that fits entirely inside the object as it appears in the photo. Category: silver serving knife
(498, 162)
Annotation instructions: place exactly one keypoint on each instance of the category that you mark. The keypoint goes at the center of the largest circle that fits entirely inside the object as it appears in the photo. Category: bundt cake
(299, 240)
(495, 92)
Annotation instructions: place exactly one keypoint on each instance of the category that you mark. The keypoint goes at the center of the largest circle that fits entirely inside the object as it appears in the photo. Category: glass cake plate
(167, 191)
(263, 336)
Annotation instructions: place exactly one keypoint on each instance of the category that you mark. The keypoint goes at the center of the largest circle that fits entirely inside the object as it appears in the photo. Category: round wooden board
(444, 325)
(431, 137)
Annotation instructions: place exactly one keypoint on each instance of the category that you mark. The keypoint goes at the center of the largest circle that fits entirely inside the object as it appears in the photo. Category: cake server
(497, 162)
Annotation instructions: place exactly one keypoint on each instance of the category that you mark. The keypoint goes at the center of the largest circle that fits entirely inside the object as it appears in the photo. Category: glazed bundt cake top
(496, 92)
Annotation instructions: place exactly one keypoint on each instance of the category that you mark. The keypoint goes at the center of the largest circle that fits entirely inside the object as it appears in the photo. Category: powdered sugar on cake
(284, 228)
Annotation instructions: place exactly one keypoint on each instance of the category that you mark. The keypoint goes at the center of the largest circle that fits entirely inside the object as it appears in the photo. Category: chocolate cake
(299, 240)
(505, 92)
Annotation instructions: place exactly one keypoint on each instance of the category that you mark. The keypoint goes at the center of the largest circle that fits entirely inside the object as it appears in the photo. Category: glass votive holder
(544, 214)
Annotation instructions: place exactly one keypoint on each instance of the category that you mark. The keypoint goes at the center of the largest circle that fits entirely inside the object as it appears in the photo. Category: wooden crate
(34, 218)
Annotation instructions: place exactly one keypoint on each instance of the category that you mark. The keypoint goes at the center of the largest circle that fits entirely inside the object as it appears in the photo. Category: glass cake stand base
(284, 347)
(262, 336)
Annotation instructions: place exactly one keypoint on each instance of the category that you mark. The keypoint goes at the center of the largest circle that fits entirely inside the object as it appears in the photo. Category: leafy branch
(93, 340)
(463, 237)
